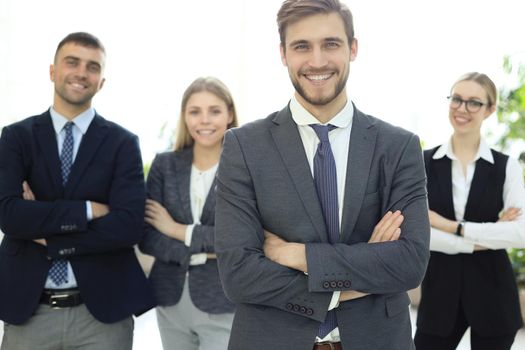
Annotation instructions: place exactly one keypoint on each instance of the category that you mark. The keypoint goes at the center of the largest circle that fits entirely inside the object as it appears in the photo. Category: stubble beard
(320, 101)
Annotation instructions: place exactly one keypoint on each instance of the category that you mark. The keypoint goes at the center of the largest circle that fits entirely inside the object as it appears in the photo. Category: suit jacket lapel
(88, 148)
(362, 143)
(183, 162)
(288, 141)
(46, 138)
(209, 206)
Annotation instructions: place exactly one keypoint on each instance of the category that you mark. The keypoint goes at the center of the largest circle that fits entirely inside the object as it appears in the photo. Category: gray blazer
(169, 184)
(264, 181)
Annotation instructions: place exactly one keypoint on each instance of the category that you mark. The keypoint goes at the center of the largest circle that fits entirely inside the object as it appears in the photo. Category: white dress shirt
(200, 185)
(80, 125)
(492, 235)
(340, 143)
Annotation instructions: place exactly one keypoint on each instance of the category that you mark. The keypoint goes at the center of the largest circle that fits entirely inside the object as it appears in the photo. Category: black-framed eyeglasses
(471, 105)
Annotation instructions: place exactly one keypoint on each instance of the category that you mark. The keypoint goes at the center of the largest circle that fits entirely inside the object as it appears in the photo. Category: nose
(317, 57)
(81, 71)
(205, 118)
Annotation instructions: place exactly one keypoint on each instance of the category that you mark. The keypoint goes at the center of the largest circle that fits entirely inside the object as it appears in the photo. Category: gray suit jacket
(169, 184)
(264, 181)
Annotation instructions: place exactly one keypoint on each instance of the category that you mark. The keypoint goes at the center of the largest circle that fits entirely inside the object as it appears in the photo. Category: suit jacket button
(340, 284)
(289, 306)
(309, 312)
(326, 284)
(303, 309)
(296, 308)
(333, 284)
(347, 284)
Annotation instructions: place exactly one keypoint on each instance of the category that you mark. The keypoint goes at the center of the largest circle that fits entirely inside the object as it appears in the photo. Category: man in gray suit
(321, 215)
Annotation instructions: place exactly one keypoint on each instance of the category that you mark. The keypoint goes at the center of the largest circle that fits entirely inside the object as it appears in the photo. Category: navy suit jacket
(169, 184)
(107, 169)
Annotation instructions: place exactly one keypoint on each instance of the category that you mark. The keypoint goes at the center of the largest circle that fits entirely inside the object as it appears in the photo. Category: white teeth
(318, 77)
(462, 120)
(78, 86)
(205, 132)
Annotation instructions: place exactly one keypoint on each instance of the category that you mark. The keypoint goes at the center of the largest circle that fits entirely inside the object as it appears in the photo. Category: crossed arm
(97, 209)
(444, 226)
(159, 217)
(293, 255)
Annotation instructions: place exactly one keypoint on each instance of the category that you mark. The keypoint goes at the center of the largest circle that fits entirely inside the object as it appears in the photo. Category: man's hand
(28, 195)
(292, 255)
(41, 241)
(98, 209)
(158, 217)
(388, 228)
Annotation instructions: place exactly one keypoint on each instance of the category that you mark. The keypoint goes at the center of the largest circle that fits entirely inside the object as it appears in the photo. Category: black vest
(482, 283)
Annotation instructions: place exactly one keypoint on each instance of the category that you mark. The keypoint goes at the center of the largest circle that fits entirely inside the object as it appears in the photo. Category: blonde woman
(193, 312)
(469, 280)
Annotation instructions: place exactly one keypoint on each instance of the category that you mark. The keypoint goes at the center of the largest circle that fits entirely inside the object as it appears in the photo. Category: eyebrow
(328, 39)
(297, 42)
(78, 59)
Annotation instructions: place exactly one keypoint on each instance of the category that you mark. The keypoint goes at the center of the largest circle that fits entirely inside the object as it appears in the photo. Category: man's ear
(353, 50)
(283, 54)
(52, 72)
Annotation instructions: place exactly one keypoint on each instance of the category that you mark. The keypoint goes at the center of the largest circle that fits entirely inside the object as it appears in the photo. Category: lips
(78, 86)
(205, 132)
(318, 77)
(461, 119)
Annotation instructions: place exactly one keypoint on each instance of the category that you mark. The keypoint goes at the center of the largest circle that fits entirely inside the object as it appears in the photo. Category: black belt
(61, 298)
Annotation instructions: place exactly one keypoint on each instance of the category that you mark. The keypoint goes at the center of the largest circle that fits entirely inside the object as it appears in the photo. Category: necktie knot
(68, 127)
(322, 131)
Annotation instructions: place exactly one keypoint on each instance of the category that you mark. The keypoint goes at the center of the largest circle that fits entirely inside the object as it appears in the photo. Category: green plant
(511, 115)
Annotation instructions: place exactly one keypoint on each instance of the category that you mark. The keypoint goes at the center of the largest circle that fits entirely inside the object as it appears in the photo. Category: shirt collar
(304, 118)
(483, 151)
(82, 120)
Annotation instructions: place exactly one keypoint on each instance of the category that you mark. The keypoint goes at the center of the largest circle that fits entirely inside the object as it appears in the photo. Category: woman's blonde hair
(213, 85)
(486, 83)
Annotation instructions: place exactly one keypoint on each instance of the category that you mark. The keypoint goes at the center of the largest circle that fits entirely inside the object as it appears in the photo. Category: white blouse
(492, 235)
(200, 185)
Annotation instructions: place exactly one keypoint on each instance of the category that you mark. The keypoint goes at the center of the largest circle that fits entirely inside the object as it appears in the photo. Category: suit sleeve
(122, 227)
(246, 274)
(25, 219)
(155, 243)
(387, 267)
(203, 239)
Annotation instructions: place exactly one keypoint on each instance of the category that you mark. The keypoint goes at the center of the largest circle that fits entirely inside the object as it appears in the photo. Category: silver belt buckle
(330, 344)
(55, 299)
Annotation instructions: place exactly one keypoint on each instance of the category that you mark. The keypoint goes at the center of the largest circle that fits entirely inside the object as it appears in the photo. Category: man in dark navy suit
(71, 207)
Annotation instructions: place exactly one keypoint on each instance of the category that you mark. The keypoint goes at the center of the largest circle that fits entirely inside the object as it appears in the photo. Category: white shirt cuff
(89, 211)
(189, 235)
(198, 259)
(335, 301)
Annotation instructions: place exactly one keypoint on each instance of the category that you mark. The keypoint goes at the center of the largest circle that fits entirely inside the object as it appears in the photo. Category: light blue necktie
(325, 177)
(58, 270)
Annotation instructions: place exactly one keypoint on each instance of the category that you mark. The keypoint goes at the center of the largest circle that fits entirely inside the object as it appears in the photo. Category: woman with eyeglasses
(476, 196)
